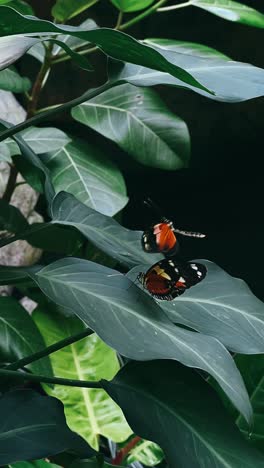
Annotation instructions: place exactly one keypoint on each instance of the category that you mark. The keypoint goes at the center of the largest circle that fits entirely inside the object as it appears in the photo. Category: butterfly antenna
(198, 235)
(152, 206)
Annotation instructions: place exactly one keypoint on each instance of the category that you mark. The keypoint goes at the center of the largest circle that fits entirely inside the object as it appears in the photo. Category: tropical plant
(101, 374)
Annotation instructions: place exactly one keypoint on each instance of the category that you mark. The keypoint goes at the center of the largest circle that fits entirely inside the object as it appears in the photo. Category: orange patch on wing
(179, 284)
(165, 237)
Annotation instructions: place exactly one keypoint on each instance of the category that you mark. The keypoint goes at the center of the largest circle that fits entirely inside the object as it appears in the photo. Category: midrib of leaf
(132, 117)
(78, 174)
(140, 447)
(219, 304)
(86, 398)
(150, 323)
(8, 325)
(193, 431)
(17, 431)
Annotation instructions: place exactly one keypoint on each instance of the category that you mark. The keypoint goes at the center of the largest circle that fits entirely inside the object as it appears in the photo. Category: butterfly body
(168, 279)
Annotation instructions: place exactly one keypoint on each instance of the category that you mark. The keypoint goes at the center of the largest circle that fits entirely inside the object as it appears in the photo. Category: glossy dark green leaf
(19, 336)
(140, 123)
(34, 464)
(34, 160)
(104, 232)
(177, 409)
(64, 10)
(18, 5)
(230, 81)
(40, 140)
(33, 426)
(132, 323)
(128, 6)
(84, 171)
(13, 275)
(91, 463)
(219, 306)
(10, 80)
(252, 369)
(114, 43)
(89, 411)
(11, 219)
(232, 11)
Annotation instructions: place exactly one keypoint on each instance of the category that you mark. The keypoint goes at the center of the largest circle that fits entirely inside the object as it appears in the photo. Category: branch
(52, 380)
(143, 15)
(49, 350)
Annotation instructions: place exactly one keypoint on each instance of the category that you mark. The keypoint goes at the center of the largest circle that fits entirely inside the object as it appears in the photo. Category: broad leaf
(35, 426)
(84, 171)
(34, 160)
(190, 48)
(14, 275)
(34, 464)
(232, 11)
(128, 6)
(89, 412)
(252, 368)
(63, 10)
(132, 323)
(11, 219)
(19, 336)
(177, 409)
(219, 306)
(148, 453)
(91, 463)
(104, 232)
(40, 140)
(140, 123)
(13, 47)
(114, 43)
(10, 80)
(18, 5)
(5, 153)
(230, 81)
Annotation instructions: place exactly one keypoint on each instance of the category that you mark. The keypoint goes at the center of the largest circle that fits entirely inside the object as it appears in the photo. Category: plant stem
(119, 20)
(176, 7)
(51, 380)
(49, 350)
(36, 90)
(57, 110)
(143, 15)
(121, 454)
(11, 184)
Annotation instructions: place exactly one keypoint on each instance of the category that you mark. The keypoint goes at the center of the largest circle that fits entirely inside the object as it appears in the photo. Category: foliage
(101, 374)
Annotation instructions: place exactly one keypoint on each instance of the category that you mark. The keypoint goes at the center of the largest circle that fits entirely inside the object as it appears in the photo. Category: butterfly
(161, 237)
(168, 279)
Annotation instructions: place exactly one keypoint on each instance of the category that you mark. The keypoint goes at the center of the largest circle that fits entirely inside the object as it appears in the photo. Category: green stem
(49, 350)
(51, 380)
(143, 15)
(57, 110)
(176, 7)
(119, 20)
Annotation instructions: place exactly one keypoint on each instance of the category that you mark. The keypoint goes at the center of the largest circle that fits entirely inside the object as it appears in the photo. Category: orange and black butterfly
(161, 237)
(168, 279)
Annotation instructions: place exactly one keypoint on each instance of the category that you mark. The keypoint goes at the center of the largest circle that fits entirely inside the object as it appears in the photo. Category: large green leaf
(104, 232)
(19, 336)
(146, 452)
(34, 464)
(63, 10)
(89, 412)
(231, 81)
(114, 43)
(177, 409)
(84, 171)
(10, 80)
(232, 11)
(34, 160)
(185, 47)
(5, 153)
(128, 6)
(132, 323)
(140, 123)
(18, 5)
(40, 140)
(252, 368)
(220, 306)
(13, 47)
(33, 426)
(11, 219)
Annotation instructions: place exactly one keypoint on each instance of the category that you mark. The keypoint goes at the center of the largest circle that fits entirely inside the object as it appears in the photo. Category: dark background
(222, 192)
